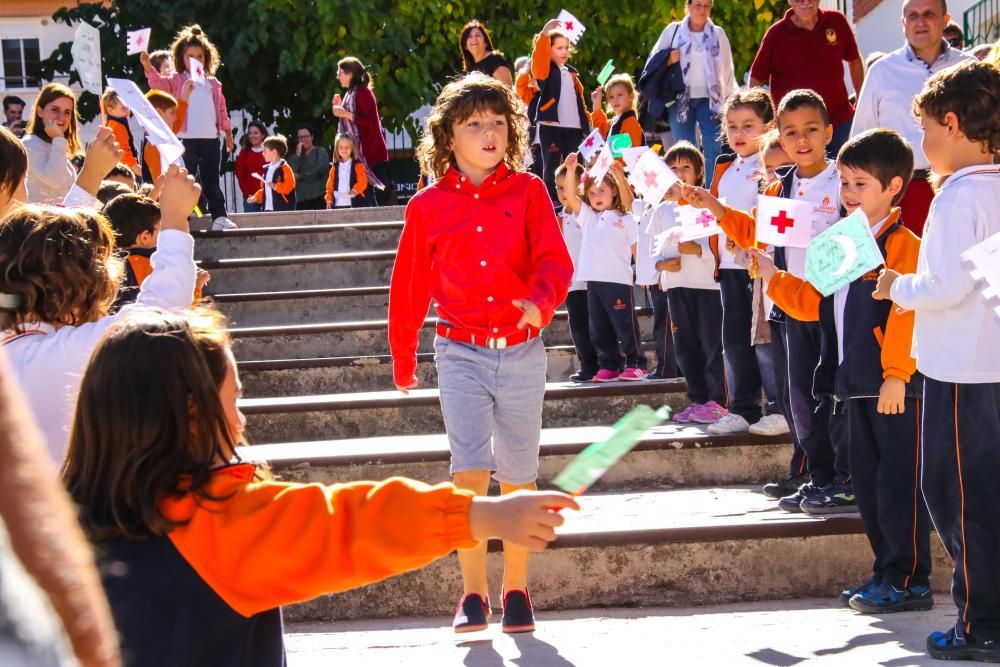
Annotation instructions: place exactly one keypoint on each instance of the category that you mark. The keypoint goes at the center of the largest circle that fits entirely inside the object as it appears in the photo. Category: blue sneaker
(954, 644)
(886, 598)
(472, 614)
(793, 503)
(832, 499)
(848, 593)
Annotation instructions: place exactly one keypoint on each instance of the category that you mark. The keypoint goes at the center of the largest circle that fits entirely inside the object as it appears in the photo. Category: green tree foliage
(280, 56)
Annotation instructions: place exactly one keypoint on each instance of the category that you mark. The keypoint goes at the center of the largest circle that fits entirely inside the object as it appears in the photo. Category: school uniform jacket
(722, 165)
(151, 167)
(234, 561)
(138, 267)
(359, 180)
(123, 135)
(546, 73)
(876, 339)
(283, 197)
(627, 123)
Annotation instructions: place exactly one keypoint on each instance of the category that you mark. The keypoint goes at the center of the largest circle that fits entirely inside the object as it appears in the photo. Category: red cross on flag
(784, 222)
(196, 69)
(571, 25)
(697, 223)
(590, 146)
(601, 166)
(137, 41)
(651, 178)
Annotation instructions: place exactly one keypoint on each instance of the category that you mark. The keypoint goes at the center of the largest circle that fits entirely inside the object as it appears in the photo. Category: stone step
(296, 239)
(369, 337)
(257, 309)
(670, 455)
(298, 272)
(293, 218)
(387, 413)
(673, 548)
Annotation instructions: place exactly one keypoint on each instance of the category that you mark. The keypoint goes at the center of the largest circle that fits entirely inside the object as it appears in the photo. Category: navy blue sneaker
(793, 503)
(832, 499)
(886, 598)
(954, 644)
(581, 376)
(848, 593)
(785, 486)
(472, 614)
(518, 614)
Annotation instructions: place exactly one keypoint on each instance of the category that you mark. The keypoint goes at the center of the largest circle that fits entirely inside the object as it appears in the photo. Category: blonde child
(608, 248)
(348, 180)
(620, 91)
(116, 115)
(181, 521)
(207, 115)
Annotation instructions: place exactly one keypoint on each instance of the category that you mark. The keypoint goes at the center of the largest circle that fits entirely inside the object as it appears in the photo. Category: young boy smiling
(483, 243)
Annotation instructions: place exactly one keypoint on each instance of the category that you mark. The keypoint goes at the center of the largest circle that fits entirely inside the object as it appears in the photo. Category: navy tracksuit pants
(579, 329)
(885, 467)
(611, 307)
(556, 145)
(822, 436)
(696, 318)
(779, 351)
(666, 362)
(961, 483)
(740, 357)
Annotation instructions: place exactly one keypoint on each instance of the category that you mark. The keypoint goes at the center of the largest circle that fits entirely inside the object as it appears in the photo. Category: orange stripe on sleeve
(901, 250)
(541, 57)
(287, 184)
(599, 119)
(121, 136)
(795, 296)
(362, 178)
(632, 128)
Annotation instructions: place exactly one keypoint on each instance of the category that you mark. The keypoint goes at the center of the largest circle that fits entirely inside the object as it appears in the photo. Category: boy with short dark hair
(955, 343)
(804, 131)
(277, 192)
(867, 364)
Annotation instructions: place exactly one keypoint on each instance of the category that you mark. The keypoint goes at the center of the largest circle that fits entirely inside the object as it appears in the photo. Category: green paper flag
(609, 69)
(617, 142)
(842, 254)
(597, 459)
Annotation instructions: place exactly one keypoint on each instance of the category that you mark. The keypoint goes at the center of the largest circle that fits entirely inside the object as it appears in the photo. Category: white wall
(880, 30)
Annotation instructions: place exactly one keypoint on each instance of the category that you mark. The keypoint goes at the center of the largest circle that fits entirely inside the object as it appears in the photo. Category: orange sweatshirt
(150, 154)
(630, 126)
(359, 180)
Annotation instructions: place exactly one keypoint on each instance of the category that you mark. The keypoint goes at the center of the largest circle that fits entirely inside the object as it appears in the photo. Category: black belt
(921, 174)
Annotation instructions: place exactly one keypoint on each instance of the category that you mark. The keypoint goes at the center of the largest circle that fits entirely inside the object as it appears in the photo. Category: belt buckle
(496, 343)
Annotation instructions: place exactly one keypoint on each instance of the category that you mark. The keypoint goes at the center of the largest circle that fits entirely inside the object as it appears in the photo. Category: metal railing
(982, 23)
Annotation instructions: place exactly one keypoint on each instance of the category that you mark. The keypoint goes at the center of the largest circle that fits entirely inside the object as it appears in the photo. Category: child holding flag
(621, 98)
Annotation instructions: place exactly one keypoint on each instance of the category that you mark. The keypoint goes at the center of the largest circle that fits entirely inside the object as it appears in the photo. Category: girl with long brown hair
(51, 140)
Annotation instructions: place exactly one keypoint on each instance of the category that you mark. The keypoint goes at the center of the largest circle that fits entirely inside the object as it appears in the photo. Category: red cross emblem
(139, 40)
(705, 219)
(651, 178)
(569, 26)
(589, 142)
(782, 222)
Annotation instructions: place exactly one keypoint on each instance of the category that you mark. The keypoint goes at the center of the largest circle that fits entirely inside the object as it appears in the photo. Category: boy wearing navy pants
(955, 339)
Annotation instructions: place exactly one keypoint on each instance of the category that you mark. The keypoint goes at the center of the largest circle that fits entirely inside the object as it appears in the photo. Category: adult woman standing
(311, 165)
(251, 161)
(478, 54)
(706, 59)
(51, 141)
(359, 117)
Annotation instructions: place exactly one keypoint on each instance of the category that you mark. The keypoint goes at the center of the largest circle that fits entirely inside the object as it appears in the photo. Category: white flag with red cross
(600, 168)
(196, 69)
(697, 223)
(651, 178)
(593, 143)
(137, 41)
(784, 222)
(571, 25)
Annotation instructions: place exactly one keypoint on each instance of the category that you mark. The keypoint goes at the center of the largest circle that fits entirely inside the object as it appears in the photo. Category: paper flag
(651, 177)
(665, 244)
(601, 166)
(160, 135)
(784, 222)
(985, 258)
(571, 25)
(632, 155)
(618, 142)
(257, 176)
(196, 69)
(842, 254)
(697, 223)
(606, 72)
(590, 146)
(86, 51)
(591, 464)
(137, 41)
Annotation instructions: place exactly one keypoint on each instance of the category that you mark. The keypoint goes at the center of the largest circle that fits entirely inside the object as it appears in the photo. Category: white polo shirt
(606, 250)
(645, 251)
(886, 98)
(823, 191)
(572, 232)
(696, 272)
(740, 186)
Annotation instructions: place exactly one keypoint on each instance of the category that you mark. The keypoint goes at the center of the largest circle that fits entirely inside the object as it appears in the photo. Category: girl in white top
(651, 228)
(606, 252)
(51, 140)
(62, 277)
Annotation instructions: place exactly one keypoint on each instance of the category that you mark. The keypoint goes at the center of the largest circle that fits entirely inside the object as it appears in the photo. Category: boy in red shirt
(484, 244)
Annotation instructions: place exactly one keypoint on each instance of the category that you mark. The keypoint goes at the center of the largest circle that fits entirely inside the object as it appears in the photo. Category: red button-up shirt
(473, 250)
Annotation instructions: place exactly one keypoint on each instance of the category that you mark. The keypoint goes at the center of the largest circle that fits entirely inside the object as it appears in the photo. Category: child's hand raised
(571, 161)
(766, 268)
(553, 24)
(596, 97)
(525, 518)
(103, 154)
(187, 89)
(179, 197)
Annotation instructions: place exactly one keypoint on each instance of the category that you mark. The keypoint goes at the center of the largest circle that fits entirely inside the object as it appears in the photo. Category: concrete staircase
(678, 522)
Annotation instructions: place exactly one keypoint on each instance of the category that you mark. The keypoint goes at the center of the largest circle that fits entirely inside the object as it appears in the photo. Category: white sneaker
(222, 222)
(771, 425)
(731, 424)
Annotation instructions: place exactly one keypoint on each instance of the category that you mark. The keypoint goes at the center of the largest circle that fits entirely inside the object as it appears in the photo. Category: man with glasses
(886, 99)
(954, 36)
(807, 49)
(311, 166)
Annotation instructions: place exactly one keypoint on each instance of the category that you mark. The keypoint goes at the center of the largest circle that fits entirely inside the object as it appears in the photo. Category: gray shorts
(492, 405)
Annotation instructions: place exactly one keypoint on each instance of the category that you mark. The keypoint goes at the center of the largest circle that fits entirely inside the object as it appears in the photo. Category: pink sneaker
(709, 413)
(632, 374)
(684, 416)
(606, 375)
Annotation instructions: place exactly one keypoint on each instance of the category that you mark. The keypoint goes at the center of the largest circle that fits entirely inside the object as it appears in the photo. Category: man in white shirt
(886, 99)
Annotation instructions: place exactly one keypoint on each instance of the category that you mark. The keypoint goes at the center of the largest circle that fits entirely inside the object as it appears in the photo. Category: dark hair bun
(196, 30)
